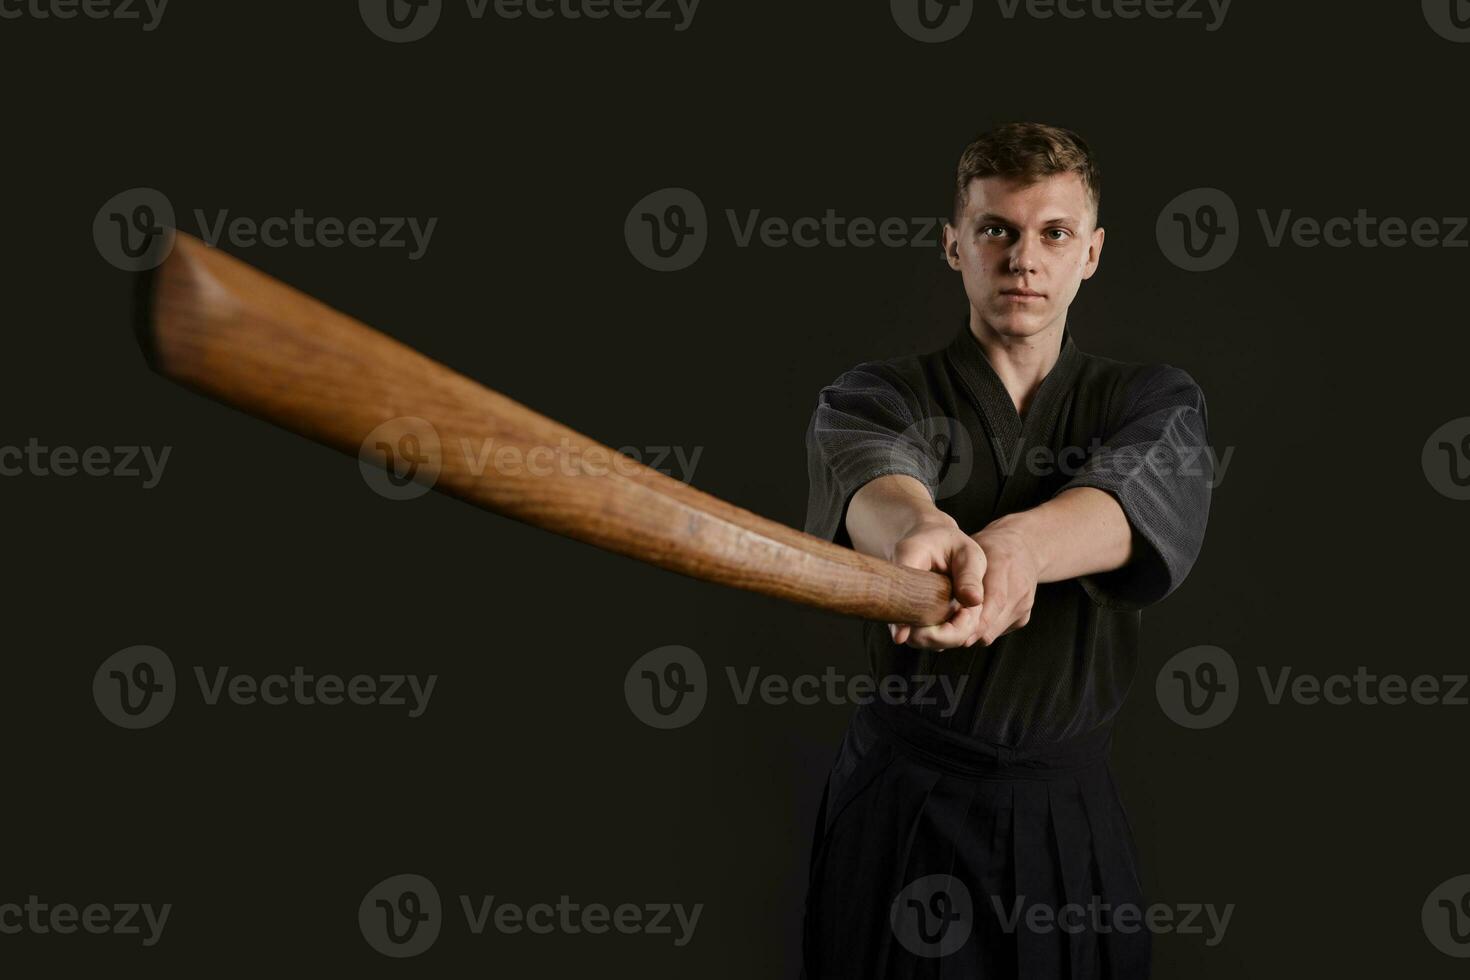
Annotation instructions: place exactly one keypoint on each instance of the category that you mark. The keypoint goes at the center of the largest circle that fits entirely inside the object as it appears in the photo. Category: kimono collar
(990, 396)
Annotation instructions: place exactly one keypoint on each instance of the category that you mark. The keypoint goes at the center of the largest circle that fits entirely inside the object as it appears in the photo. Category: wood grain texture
(215, 324)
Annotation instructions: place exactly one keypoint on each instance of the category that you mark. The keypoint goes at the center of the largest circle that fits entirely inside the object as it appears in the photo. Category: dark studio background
(528, 777)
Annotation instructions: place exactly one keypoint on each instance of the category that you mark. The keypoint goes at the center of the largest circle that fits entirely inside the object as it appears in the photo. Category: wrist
(1023, 534)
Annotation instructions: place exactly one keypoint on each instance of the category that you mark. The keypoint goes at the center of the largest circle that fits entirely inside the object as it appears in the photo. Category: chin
(1014, 323)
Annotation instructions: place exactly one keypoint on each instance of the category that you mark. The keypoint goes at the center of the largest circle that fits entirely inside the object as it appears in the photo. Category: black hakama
(985, 837)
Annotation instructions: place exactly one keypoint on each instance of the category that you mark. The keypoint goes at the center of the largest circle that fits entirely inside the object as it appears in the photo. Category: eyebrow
(990, 217)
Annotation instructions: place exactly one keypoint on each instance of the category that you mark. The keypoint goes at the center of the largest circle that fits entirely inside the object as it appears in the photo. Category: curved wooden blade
(215, 324)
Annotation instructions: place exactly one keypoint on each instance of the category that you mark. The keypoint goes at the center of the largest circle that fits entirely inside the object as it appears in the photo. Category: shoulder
(907, 376)
(1129, 383)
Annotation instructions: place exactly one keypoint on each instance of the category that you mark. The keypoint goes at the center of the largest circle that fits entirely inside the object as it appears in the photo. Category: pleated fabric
(937, 855)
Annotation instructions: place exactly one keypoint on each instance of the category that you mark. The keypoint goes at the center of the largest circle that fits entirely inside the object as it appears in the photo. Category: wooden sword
(223, 328)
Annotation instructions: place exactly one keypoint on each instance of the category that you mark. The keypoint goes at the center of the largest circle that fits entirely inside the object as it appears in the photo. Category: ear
(1094, 253)
(952, 246)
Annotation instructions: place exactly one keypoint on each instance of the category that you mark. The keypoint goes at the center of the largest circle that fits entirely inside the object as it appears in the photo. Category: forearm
(886, 510)
(1078, 532)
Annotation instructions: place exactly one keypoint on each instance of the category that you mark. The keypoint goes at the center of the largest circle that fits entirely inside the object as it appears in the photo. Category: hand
(937, 544)
(1011, 573)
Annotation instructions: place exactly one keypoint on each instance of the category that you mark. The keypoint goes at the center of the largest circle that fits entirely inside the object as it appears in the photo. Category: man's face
(1023, 250)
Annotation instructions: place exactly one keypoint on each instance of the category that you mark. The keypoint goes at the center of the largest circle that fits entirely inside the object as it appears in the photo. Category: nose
(1022, 260)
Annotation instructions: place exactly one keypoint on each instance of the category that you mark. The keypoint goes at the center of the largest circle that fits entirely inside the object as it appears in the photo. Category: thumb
(967, 573)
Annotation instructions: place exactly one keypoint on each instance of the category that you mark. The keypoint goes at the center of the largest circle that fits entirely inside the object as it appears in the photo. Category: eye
(1058, 234)
(994, 231)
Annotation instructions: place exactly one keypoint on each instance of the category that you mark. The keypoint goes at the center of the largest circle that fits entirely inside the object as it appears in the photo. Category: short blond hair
(1026, 151)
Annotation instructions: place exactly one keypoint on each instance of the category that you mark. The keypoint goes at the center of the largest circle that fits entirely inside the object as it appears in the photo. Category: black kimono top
(945, 418)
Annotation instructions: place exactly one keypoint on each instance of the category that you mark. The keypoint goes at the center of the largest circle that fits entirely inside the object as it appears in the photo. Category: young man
(982, 836)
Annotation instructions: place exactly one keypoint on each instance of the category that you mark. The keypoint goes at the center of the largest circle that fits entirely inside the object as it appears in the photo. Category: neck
(1021, 363)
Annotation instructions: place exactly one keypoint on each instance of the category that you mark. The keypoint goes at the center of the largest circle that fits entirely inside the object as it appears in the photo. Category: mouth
(1022, 295)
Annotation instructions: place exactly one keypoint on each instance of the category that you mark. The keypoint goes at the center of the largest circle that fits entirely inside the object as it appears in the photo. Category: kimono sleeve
(1157, 465)
(865, 426)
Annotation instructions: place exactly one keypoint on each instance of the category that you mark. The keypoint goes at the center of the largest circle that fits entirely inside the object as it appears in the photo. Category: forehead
(1057, 196)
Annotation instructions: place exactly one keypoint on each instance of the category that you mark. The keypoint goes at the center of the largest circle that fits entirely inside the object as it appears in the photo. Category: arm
(894, 518)
(1128, 526)
(1081, 531)
(871, 478)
